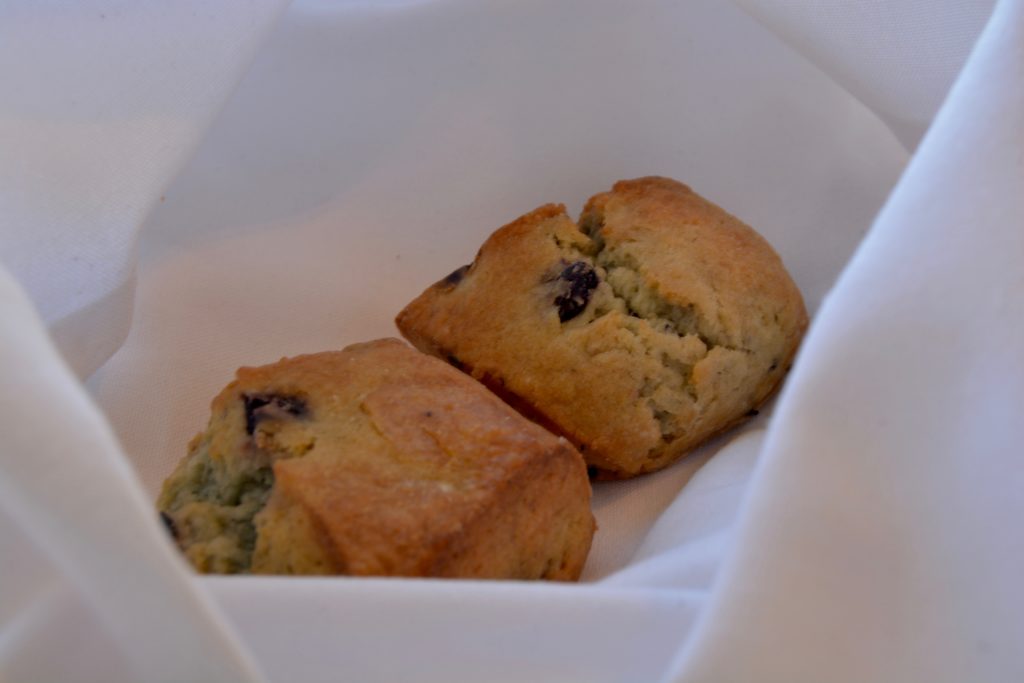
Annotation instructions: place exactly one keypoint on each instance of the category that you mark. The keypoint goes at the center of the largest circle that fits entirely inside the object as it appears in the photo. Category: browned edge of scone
(395, 465)
(444, 317)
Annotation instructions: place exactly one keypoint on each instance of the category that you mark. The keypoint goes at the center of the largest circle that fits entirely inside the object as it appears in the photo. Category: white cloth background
(370, 148)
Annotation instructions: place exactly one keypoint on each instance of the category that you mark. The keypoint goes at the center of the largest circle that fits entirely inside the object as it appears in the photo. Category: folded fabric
(877, 542)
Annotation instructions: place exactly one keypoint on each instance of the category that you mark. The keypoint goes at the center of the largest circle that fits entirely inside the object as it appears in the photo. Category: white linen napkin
(372, 147)
(68, 488)
(101, 104)
(899, 58)
(879, 540)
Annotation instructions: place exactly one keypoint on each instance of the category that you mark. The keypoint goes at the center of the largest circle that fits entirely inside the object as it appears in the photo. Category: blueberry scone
(654, 323)
(376, 460)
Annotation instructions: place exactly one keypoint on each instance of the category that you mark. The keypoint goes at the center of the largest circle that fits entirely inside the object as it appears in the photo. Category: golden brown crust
(399, 465)
(696, 252)
(692, 321)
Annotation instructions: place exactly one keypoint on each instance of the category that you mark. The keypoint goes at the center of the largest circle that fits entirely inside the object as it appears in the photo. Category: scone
(377, 460)
(655, 323)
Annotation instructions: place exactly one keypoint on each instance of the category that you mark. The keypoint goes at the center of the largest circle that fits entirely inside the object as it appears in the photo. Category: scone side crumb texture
(655, 323)
(376, 460)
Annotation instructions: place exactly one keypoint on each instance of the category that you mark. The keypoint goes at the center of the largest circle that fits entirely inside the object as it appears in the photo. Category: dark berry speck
(261, 406)
(581, 280)
(455, 277)
(172, 528)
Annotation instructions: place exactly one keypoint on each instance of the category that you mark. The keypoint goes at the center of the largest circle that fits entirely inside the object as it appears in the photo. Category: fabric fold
(877, 542)
(70, 488)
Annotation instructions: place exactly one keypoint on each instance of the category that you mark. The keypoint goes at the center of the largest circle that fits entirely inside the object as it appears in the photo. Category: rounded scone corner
(377, 460)
(654, 323)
